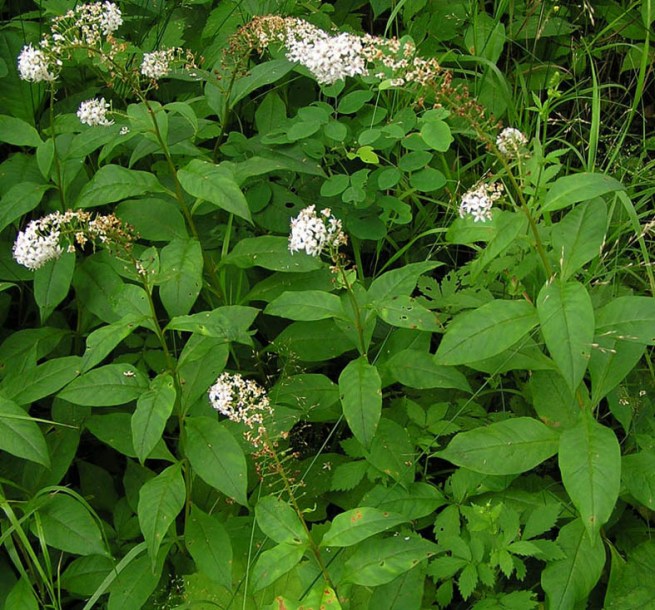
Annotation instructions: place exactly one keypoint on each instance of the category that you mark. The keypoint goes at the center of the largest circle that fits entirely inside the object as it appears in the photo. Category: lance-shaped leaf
(279, 521)
(574, 188)
(358, 524)
(507, 447)
(590, 463)
(630, 318)
(275, 563)
(361, 398)
(306, 305)
(20, 435)
(567, 323)
(113, 183)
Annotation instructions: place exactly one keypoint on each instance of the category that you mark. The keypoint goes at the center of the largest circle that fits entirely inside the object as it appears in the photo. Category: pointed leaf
(358, 524)
(275, 563)
(574, 188)
(112, 183)
(306, 305)
(20, 435)
(361, 398)
(279, 521)
(113, 384)
(180, 275)
(209, 544)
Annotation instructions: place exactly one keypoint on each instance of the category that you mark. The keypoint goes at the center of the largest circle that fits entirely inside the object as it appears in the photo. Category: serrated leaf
(507, 447)
(348, 475)
(361, 398)
(590, 463)
(358, 524)
(541, 520)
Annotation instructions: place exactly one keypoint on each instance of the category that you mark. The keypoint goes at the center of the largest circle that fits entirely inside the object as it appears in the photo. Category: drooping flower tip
(34, 66)
(314, 234)
(478, 201)
(510, 141)
(94, 112)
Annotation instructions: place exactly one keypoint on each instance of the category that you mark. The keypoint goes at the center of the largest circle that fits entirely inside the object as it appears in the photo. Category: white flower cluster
(41, 240)
(510, 141)
(328, 58)
(243, 401)
(94, 112)
(83, 26)
(478, 201)
(313, 233)
(157, 64)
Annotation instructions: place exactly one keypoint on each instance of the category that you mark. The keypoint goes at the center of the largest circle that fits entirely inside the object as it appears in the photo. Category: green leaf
(20, 199)
(416, 369)
(361, 398)
(485, 37)
(485, 331)
(153, 408)
(376, 562)
(354, 101)
(305, 305)
(631, 585)
(554, 402)
(579, 236)
(160, 501)
(270, 252)
(52, 283)
(275, 563)
(567, 190)
(21, 597)
(112, 183)
(230, 323)
(102, 341)
(216, 457)
(507, 447)
(610, 363)
(214, 184)
(209, 544)
(68, 526)
(567, 323)
(20, 435)
(17, 132)
(392, 452)
(84, 575)
(279, 521)
(260, 75)
(153, 219)
(638, 476)
(406, 312)
(134, 584)
(405, 591)
(436, 134)
(109, 385)
(358, 524)
(630, 318)
(416, 501)
(180, 275)
(590, 463)
(312, 341)
(398, 282)
(569, 581)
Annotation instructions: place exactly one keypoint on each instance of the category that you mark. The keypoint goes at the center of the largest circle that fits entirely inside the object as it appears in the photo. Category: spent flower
(478, 201)
(94, 112)
(313, 233)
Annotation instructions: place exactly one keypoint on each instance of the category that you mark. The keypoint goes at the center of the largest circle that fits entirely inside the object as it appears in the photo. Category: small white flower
(94, 112)
(124, 131)
(313, 234)
(478, 201)
(111, 19)
(39, 242)
(156, 65)
(510, 141)
(34, 66)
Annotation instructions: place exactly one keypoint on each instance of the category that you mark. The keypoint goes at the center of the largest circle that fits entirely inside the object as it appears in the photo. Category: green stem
(60, 181)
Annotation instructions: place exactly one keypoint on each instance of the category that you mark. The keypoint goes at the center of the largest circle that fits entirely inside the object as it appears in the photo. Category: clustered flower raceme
(157, 64)
(243, 401)
(41, 241)
(314, 234)
(87, 26)
(510, 142)
(478, 201)
(94, 112)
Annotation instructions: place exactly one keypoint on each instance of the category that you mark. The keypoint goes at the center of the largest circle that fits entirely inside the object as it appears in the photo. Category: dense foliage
(341, 305)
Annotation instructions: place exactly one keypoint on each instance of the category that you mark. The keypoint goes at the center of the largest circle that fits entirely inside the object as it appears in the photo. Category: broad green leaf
(109, 385)
(631, 585)
(312, 341)
(436, 134)
(590, 463)
(230, 323)
(160, 501)
(376, 562)
(270, 252)
(579, 236)
(416, 501)
(416, 369)
(361, 398)
(259, 76)
(68, 526)
(134, 584)
(85, 574)
(405, 312)
(569, 581)
(405, 591)
(507, 447)
(153, 219)
(180, 275)
(17, 132)
(102, 341)
(153, 408)
(200, 363)
(52, 283)
(358, 524)
(306, 305)
(630, 318)
(21, 596)
(610, 363)
(20, 435)
(638, 476)
(275, 563)
(567, 323)
(260, 165)
(209, 544)
(354, 101)
(392, 452)
(113, 183)
(216, 457)
(48, 378)
(279, 521)
(216, 185)
(20, 199)
(567, 190)
(485, 331)
(555, 404)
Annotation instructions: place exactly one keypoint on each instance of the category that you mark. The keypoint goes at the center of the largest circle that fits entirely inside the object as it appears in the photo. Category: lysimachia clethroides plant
(293, 322)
